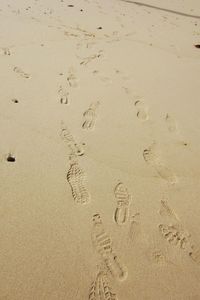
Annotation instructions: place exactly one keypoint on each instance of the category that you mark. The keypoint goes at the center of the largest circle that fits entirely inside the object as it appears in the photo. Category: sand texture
(99, 150)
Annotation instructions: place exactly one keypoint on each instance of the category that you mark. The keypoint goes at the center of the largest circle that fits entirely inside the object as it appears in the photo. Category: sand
(99, 150)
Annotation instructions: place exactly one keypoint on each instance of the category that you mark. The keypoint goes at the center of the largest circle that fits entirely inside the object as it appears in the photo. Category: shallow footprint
(152, 158)
(195, 255)
(72, 79)
(171, 123)
(166, 211)
(116, 269)
(142, 111)
(5, 51)
(135, 227)
(89, 116)
(64, 95)
(156, 256)
(21, 72)
(165, 173)
(75, 148)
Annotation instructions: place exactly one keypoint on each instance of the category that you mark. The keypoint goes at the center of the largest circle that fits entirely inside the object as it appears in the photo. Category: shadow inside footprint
(10, 158)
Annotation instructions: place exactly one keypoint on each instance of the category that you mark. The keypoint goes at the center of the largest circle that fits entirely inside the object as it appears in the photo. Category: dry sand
(100, 143)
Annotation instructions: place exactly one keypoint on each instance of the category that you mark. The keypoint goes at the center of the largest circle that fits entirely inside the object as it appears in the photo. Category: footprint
(76, 178)
(171, 123)
(175, 235)
(115, 268)
(165, 173)
(150, 156)
(101, 241)
(5, 51)
(166, 211)
(156, 256)
(105, 79)
(89, 116)
(100, 289)
(90, 58)
(102, 77)
(64, 95)
(121, 214)
(142, 111)
(21, 72)
(195, 255)
(76, 149)
(135, 227)
(71, 79)
(103, 245)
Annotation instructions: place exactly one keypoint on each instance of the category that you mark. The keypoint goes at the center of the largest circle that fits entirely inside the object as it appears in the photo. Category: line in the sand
(163, 9)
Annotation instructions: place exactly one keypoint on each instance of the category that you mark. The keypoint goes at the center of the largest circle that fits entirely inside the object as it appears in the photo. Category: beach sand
(99, 150)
